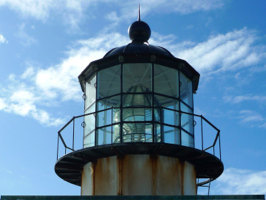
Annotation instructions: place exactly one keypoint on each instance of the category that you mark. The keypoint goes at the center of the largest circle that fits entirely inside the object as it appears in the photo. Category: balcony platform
(69, 167)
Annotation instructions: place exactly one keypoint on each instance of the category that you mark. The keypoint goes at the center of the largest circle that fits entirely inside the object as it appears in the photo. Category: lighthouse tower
(139, 133)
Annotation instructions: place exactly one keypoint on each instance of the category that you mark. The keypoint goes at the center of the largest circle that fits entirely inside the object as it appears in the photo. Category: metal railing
(204, 144)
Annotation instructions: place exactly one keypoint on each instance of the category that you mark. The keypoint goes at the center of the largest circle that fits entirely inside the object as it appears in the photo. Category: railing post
(112, 121)
(209, 188)
(73, 133)
(220, 146)
(57, 146)
(201, 133)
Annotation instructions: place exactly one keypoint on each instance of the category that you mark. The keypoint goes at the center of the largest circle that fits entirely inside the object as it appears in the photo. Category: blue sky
(44, 46)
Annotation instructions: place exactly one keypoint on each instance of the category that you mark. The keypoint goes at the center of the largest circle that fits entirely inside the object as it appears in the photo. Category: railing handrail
(75, 117)
(179, 111)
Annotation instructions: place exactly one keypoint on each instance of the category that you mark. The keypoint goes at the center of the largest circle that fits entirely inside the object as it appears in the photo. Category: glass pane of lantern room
(104, 135)
(116, 134)
(171, 135)
(187, 121)
(90, 93)
(137, 100)
(137, 77)
(111, 102)
(165, 115)
(170, 117)
(157, 132)
(166, 81)
(163, 101)
(89, 126)
(187, 139)
(89, 139)
(111, 106)
(186, 90)
(104, 118)
(89, 119)
(139, 107)
(137, 114)
(137, 132)
(108, 82)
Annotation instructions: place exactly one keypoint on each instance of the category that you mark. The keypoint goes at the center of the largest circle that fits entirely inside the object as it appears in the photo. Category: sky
(45, 45)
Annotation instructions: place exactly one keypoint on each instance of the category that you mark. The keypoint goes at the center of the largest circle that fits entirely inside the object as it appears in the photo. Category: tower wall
(138, 175)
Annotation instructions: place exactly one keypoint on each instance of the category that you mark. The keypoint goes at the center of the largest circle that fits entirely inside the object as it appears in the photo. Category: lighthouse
(139, 135)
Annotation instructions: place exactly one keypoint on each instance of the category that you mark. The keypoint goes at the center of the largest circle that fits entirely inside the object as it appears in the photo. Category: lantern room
(137, 92)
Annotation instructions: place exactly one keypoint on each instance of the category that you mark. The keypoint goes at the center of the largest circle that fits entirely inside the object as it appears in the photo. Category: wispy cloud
(7, 170)
(25, 38)
(34, 8)
(219, 53)
(241, 98)
(28, 73)
(263, 125)
(2, 39)
(238, 181)
(73, 11)
(126, 10)
(250, 116)
(224, 52)
(112, 16)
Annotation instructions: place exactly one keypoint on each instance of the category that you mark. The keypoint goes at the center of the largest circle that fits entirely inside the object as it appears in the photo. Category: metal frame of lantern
(113, 91)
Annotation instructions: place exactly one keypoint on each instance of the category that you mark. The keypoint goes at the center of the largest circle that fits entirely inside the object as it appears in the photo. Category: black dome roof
(139, 32)
(138, 48)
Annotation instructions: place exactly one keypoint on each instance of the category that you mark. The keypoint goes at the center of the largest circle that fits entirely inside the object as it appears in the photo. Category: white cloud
(129, 9)
(263, 125)
(3, 104)
(25, 38)
(249, 116)
(35, 8)
(252, 118)
(219, 53)
(112, 16)
(258, 69)
(2, 39)
(73, 11)
(28, 73)
(22, 102)
(36, 87)
(230, 51)
(238, 181)
(241, 98)
(166, 41)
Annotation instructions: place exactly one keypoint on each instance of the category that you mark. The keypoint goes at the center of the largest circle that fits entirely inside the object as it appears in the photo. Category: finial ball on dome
(139, 31)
